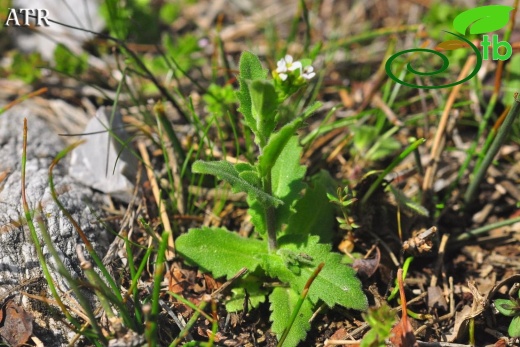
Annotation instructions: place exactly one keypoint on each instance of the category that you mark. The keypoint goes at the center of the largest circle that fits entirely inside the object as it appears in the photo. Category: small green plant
(344, 200)
(511, 308)
(281, 209)
(381, 321)
(218, 98)
(135, 19)
(69, 63)
(26, 67)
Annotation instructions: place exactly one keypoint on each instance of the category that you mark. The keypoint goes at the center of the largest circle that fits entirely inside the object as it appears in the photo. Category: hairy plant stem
(270, 216)
(271, 231)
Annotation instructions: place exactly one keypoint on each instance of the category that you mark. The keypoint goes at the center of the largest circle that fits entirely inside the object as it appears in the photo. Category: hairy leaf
(283, 302)
(287, 179)
(251, 177)
(257, 213)
(220, 251)
(224, 170)
(241, 167)
(264, 105)
(250, 68)
(336, 283)
(276, 145)
(314, 213)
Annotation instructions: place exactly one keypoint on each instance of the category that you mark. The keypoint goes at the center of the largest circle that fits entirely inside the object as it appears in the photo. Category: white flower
(308, 72)
(286, 64)
(281, 65)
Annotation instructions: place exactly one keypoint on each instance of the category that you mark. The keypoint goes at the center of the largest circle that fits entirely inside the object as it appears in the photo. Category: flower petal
(295, 66)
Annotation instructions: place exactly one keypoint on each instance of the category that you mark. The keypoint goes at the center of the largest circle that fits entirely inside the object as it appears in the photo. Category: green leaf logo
(482, 19)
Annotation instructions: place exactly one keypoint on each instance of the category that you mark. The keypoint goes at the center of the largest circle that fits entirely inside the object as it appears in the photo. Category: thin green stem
(487, 228)
(365, 36)
(190, 324)
(152, 326)
(472, 331)
(390, 167)
(406, 265)
(299, 304)
(493, 150)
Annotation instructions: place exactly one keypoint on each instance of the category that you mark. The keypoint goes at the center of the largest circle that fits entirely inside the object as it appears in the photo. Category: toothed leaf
(336, 284)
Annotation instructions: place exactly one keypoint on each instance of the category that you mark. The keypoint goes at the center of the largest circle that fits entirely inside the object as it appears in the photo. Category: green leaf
(314, 213)
(283, 302)
(251, 177)
(68, 62)
(168, 13)
(370, 144)
(264, 105)
(256, 294)
(257, 213)
(276, 145)
(287, 180)
(514, 327)
(407, 203)
(364, 136)
(251, 69)
(483, 19)
(26, 67)
(241, 167)
(219, 99)
(336, 283)
(220, 251)
(224, 170)
(381, 320)
(506, 307)
(384, 147)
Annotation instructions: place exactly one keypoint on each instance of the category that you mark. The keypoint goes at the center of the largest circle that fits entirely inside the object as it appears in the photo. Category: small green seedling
(290, 215)
(381, 321)
(511, 308)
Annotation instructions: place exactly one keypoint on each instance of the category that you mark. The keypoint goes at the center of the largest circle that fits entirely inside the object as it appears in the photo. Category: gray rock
(18, 258)
(102, 162)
